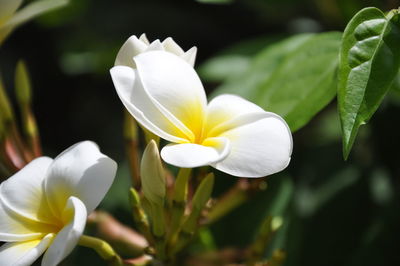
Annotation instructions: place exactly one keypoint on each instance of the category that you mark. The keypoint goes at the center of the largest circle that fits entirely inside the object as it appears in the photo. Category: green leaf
(220, 68)
(369, 62)
(235, 59)
(294, 78)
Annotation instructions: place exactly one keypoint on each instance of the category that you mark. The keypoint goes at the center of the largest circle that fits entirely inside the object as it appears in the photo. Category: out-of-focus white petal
(68, 237)
(137, 102)
(171, 46)
(190, 155)
(81, 171)
(33, 10)
(190, 56)
(24, 253)
(14, 227)
(7, 8)
(23, 192)
(174, 87)
(144, 39)
(132, 47)
(26, 13)
(259, 147)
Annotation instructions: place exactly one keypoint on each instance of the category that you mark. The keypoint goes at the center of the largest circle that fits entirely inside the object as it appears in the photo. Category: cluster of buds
(17, 147)
(170, 212)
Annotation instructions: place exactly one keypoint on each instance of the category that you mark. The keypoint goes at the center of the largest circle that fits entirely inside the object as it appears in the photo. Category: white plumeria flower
(10, 18)
(165, 95)
(45, 205)
(134, 46)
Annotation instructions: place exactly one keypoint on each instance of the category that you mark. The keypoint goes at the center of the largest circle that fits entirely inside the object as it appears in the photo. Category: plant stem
(229, 201)
(179, 201)
(131, 143)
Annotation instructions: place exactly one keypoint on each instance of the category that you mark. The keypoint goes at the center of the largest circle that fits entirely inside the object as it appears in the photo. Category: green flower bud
(22, 83)
(152, 175)
(5, 107)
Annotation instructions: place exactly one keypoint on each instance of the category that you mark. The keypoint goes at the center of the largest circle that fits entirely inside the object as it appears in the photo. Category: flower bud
(22, 83)
(152, 175)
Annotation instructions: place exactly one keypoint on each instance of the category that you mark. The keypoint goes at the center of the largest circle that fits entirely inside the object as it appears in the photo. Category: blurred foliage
(332, 212)
(294, 78)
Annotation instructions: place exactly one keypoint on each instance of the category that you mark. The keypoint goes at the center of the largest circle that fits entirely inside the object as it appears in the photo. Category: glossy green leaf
(295, 78)
(369, 62)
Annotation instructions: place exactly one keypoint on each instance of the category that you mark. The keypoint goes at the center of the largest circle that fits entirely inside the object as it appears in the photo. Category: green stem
(231, 200)
(158, 226)
(102, 248)
(132, 147)
(31, 130)
(179, 201)
(139, 215)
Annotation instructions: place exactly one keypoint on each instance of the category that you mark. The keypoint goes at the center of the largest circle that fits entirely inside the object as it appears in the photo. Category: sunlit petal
(259, 147)
(137, 102)
(190, 56)
(81, 171)
(24, 253)
(191, 155)
(155, 46)
(68, 237)
(226, 107)
(174, 87)
(14, 227)
(132, 47)
(171, 46)
(23, 192)
(144, 39)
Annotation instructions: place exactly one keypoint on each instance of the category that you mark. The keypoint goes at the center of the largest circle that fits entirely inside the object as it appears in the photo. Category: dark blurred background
(335, 212)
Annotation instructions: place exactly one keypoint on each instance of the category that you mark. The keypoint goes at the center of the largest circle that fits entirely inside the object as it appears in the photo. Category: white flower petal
(81, 171)
(137, 102)
(23, 192)
(8, 8)
(226, 107)
(155, 46)
(190, 155)
(174, 87)
(171, 46)
(190, 56)
(68, 237)
(259, 147)
(144, 39)
(33, 10)
(28, 12)
(132, 47)
(14, 227)
(24, 253)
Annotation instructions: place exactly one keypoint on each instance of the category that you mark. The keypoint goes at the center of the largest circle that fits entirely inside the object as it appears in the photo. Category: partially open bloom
(134, 46)
(44, 206)
(165, 95)
(10, 18)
